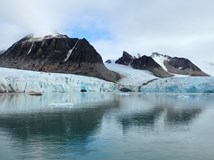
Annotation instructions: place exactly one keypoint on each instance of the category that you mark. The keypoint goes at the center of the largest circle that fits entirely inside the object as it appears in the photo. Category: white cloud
(178, 27)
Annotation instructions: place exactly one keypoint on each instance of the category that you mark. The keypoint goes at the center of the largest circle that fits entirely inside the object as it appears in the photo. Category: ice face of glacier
(20, 81)
(180, 85)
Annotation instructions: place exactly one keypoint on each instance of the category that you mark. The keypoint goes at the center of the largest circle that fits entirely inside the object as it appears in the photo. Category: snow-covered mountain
(144, 81)
(130, 76)
(70, 56)
(161, 65)
(56, 53)
(143, 63)
(176, 65)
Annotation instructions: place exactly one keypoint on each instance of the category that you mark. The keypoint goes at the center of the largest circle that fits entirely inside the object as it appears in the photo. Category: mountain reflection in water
(98, 125)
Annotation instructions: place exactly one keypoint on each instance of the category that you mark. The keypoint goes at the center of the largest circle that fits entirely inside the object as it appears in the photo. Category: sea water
(107, 126)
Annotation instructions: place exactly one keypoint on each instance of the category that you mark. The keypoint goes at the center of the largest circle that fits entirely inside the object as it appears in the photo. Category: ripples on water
(106, 126)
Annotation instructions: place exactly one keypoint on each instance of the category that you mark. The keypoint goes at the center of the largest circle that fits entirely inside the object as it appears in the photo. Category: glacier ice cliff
(22, 81)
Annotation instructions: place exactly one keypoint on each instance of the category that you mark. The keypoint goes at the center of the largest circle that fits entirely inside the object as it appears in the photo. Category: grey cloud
(178, 27)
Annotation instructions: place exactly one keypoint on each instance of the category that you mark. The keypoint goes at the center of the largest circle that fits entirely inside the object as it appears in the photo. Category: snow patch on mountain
(34, 37)
(71, 51)
(130, 76)
(160, 60)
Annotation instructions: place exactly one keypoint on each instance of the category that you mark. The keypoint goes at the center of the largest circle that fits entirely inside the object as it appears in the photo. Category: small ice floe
(61, 104)
(123, 93)
(183, 96)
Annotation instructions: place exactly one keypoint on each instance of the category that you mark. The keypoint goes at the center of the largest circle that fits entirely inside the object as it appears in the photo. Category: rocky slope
(178, 65)
(126, 59)
(143, 63)
(2, 51)
(147, 63)
(57, 53)
(161, 65)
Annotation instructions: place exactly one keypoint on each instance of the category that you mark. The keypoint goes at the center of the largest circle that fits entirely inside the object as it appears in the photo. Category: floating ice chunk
(61, 104)
(183, 96)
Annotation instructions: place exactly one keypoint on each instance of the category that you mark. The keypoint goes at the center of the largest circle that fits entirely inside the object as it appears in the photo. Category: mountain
(147, 63)
(178, 65)
(143, 63)
(206, 66)
(57, 53)
(126, 59)
(2, 51)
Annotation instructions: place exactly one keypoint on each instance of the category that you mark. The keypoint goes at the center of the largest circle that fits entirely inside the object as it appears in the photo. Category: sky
(182, 28)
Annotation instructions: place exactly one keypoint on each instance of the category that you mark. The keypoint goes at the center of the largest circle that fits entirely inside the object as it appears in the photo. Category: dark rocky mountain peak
(56, 53)
(126, 59)
(179, 65)
(183, 66)
(108, 61)
(147, 63)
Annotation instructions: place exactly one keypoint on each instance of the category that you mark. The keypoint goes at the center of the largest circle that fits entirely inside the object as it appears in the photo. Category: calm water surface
(107, 127)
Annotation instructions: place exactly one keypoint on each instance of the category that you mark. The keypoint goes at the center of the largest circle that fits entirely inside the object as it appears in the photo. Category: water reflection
(24, 103)
(185, 116)
(148, 109)
(62, 126)
(140, 119)
(34, 129)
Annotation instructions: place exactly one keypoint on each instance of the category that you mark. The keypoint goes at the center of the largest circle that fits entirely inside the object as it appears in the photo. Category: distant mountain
(57, 53)
(178, 65)
(126, 59)
(143, 63)
(147, 63)
(161, 65)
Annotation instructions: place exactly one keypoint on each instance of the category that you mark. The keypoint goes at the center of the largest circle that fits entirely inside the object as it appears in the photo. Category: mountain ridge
(178, 65)
(57, 53)
(161, 65)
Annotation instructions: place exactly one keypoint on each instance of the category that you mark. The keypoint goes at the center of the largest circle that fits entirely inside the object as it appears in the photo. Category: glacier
(145, 81)
(23, 81)
(180, 85)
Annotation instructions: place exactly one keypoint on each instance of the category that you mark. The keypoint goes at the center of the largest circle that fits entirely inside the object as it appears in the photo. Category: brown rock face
(57, 53)
(181, 66)
(143, 63)
(126, 59)
(147, 63)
